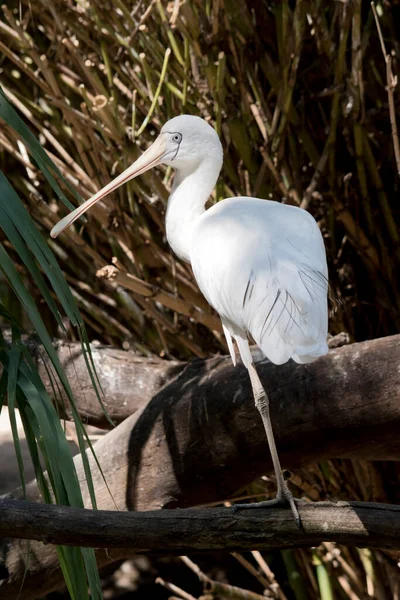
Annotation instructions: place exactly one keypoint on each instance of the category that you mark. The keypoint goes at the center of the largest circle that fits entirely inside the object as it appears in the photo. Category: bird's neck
(186, 204)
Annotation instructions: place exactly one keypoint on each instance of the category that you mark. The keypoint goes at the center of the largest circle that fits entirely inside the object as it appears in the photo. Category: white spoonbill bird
(260, 264)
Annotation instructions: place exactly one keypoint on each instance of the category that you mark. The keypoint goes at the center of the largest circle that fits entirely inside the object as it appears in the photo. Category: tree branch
(199, 438)
(128, 380)
(192, 530)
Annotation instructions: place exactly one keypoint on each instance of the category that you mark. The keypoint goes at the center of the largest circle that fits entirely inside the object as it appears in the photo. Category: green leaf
(13, 366)
(48, 432)
(21, 248)
(4, 375)
(40, 156)
(43, 430)
(46, 428)
(22, 233)
(3, 388)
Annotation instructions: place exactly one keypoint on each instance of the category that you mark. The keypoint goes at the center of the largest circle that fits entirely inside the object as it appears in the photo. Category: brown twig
(158, 295)
(391, 85)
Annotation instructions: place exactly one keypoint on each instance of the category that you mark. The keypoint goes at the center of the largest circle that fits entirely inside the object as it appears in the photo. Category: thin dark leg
(284, 495)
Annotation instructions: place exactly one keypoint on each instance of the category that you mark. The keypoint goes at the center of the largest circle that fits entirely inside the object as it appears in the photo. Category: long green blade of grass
(44, 162)
(324, 581)
(43, 427)
(20, 246)
(3, 388)
(22, 233)
(15, 356)
(28, 233)
(295, 576)
(55, 450)
(38, 423)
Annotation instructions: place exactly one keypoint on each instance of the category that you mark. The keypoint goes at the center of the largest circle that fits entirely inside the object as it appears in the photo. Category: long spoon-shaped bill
(152, 157)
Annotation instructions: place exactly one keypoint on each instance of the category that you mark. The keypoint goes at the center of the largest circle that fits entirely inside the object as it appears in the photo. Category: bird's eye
(177, 137)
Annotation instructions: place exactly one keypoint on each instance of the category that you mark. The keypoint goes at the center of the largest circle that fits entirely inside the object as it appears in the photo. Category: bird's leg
(284, 495)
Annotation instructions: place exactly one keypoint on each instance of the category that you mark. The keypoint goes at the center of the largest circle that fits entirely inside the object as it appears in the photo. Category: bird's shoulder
(250, 218)
(248, 209)
(245, 235)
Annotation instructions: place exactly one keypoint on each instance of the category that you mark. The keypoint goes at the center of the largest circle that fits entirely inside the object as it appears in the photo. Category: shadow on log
(199, 438)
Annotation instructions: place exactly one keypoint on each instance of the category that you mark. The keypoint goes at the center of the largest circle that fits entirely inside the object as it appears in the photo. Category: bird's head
(189, 140)
(183, 143)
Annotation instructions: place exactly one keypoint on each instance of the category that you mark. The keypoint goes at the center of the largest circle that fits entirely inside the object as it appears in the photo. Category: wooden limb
(189, 530)
(200, 438)
(128, 380)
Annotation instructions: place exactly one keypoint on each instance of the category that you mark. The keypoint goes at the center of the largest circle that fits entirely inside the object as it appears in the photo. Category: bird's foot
(283, 498)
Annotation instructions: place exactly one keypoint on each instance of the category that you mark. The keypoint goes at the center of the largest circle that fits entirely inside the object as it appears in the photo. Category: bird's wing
(262, 266)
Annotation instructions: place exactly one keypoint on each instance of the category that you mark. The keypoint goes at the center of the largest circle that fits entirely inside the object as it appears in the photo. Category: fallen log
(200, 438)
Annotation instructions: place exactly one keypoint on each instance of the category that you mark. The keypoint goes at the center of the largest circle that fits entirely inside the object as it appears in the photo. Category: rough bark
(200, 438)
(128, 380)
(190, 530)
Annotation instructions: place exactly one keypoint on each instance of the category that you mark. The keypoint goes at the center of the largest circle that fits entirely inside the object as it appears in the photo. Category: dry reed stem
(391, 85)
(150, 291)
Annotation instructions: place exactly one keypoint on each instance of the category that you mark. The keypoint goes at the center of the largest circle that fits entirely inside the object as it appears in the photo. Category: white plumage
(260, 264)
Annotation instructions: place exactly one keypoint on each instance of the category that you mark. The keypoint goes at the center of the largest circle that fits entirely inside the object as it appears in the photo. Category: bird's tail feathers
(307, 353)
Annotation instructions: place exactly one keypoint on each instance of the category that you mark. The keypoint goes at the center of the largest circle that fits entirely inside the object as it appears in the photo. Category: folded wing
(262, 266)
